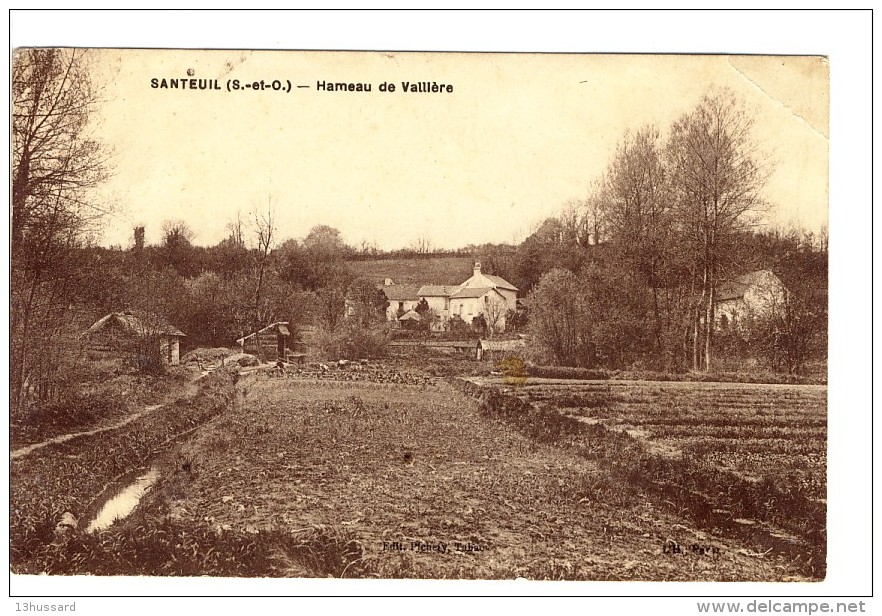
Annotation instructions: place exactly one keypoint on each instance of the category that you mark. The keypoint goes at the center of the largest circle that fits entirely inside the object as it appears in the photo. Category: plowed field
(429, 486)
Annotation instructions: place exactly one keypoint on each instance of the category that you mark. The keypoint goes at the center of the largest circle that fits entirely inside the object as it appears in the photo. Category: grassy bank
(70, 476)
(92, 404)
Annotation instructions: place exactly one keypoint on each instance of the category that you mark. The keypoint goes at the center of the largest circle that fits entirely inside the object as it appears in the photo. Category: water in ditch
(124, 502)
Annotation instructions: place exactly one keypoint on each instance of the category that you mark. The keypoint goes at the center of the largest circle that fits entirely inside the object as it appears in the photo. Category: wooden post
(280, 346)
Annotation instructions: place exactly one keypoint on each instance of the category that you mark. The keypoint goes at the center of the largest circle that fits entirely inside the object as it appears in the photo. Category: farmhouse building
(751, 294)
(468, 303)
(402, 298)
(480, 295)
(143, 334)
(480, 280)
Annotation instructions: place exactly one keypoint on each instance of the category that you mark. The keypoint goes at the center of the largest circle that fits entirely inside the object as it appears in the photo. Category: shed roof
(503, 345)
(138, 324)
(281, 327)
(410, 315)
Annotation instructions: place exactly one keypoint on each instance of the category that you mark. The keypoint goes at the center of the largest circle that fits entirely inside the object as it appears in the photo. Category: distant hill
(416, 270)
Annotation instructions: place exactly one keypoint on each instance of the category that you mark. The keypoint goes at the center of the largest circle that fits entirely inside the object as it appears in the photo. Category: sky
(519, 136)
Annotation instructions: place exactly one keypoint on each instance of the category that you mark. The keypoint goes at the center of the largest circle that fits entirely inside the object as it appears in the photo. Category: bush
(351, 341)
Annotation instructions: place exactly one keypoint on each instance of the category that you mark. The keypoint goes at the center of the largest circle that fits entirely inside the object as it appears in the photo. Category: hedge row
(565, 372)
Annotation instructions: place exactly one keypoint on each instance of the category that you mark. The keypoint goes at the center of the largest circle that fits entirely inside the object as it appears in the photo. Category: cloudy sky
(519, 136)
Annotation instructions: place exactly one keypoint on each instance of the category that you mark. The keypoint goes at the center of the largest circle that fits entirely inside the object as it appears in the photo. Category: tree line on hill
(625, 278)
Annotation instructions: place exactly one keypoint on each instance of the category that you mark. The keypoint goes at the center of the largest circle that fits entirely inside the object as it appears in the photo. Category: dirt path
(20, 453)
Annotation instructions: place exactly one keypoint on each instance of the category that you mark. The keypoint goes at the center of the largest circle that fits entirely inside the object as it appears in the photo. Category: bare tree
(495, 310)
(264, 231)
(574, 221)
(716, 178)
(235, 227)
(637, 213)
(367, 247)
(422, 245)
(54, 161)
(55, 165)
(595, 222)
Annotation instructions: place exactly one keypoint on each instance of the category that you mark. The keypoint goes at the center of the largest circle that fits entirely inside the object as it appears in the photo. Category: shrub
(350, 341)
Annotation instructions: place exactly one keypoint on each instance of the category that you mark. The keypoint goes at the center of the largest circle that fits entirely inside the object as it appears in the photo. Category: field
(420, 482)
(749, 459)
(430, 270)
(389, 473)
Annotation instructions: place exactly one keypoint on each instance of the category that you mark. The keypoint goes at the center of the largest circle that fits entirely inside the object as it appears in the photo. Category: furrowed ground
(748, 460)
(758, 432)
(396, 471)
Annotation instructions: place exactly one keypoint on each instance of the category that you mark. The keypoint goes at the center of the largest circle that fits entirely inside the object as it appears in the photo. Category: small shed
(410, 320)
(268, 344)
(499, 349)
(132, 331)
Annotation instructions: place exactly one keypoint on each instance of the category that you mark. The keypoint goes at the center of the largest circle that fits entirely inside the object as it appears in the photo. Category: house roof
(280, 326)
(139, 324)
(401, 292)
(501, 282)
(435, 290)
(410, 315)
(467, 292)
(736, 288)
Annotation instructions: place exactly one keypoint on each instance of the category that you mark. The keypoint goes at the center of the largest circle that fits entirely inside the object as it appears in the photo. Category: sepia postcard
(412, 315)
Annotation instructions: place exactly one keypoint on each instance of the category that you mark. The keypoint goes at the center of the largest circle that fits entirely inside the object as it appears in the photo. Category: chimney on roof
(477, 268)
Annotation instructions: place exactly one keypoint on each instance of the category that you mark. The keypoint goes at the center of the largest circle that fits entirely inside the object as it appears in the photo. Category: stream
(123, 502)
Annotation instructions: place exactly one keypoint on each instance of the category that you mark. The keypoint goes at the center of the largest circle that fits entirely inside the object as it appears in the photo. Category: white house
(479, 280)
(482, 294)
(438, 298)
(751, 294)
(469, 302)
